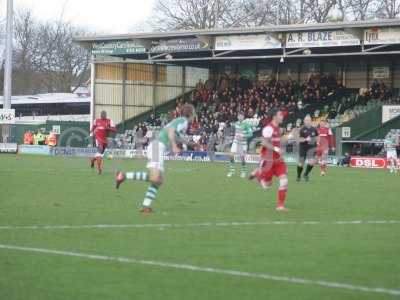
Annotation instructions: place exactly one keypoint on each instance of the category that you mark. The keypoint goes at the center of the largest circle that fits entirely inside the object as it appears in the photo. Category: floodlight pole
(8, 68)
(8, 57)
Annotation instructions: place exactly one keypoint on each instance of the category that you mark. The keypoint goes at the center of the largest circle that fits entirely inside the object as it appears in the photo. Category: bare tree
(62, 63)
(318, 10)
(45, 58)
(190, 14)
(265, 12)
(24, 35)
(388, 9)
(343, 8)
(201, 14)
(360, 10)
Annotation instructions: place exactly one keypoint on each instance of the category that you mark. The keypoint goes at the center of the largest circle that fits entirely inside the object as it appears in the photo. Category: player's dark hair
(187, 110)
(272, 112)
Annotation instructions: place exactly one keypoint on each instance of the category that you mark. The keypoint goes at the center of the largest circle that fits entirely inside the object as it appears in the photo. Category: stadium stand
(218, 102)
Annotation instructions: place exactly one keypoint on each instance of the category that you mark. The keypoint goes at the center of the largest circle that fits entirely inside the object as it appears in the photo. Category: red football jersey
(101, 128)
(326, 139)
(272, 133)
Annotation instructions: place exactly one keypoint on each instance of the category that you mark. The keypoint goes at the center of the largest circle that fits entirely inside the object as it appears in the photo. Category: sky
(99, 16)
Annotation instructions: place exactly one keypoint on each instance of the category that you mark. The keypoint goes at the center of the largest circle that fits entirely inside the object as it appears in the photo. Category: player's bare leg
(322, 165)
(99, 162)
(98, 159)
(283, 184)
(92, 161)
(323, 169)
(257, 174)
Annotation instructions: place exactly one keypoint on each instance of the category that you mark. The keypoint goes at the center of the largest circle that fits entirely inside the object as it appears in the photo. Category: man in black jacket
(307, 148)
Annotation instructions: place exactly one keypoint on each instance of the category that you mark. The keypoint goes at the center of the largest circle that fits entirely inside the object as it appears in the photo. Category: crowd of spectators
(218, 103)
(40, 137)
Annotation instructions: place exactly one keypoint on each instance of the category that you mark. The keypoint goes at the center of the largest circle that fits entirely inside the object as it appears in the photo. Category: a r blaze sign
(368, 162)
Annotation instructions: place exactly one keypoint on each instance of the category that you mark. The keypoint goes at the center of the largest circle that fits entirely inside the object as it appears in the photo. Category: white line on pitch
(294, 280)
(206, 224)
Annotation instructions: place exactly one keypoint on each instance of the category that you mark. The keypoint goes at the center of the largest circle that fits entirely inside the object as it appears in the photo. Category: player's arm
(302, 139)
(185, 140)
(267, 142)
(331, 140)
(314, 139)
(112, 127)
(318, 139)
(172, 140)
(93, 128)
(249, 131)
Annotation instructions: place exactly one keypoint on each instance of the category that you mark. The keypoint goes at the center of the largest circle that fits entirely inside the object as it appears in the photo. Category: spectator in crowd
(28, 137)
(218, 103)
(153, 121)
(345, 160)
(39, 138)
(212, 140)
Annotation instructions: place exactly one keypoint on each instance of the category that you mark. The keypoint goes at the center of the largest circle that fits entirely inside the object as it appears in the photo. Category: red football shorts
(269, 169)
(322, 152)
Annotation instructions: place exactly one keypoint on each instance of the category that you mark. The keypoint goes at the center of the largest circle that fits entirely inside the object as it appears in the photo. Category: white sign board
(376, 36)
(8, 148)
(389, 112)
(56, 129)
(246, 42)
(7, 116)
(327, 38)
(346, 132)
(381, 72)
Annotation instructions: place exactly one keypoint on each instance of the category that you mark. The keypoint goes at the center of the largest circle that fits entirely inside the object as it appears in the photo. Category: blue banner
(34, 149)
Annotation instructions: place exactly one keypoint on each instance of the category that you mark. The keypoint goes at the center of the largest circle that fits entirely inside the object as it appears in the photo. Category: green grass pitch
(50, 191)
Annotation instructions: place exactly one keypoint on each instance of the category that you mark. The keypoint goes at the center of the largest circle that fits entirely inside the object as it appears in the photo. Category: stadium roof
(53, 98)
(241, 30)
(199, 47)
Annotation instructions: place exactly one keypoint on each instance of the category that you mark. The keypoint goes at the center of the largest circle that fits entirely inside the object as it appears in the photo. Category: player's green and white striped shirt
(180, 125)
(243, 131)
(391, 142)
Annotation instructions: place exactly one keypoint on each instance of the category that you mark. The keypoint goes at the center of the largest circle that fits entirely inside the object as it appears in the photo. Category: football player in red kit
(272, 163)
(101, 128)
(325, 142)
